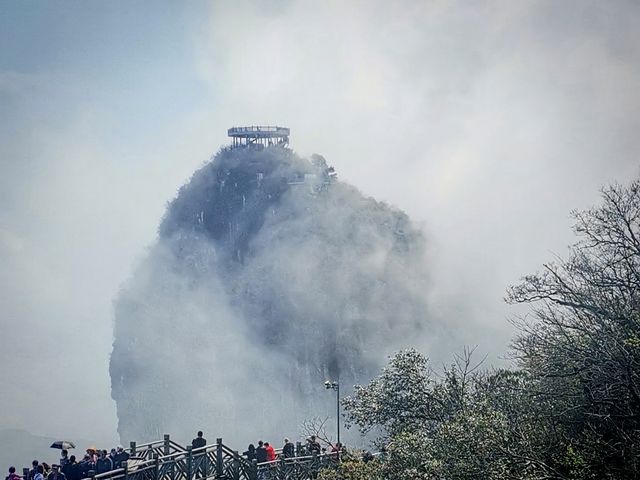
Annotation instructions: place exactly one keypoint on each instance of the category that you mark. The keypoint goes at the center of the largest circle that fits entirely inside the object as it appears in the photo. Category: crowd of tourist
(68, 468)
(265, 452)
(102, 461)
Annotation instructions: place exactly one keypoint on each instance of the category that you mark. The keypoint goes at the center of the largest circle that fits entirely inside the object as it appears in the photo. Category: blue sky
(119, 57)
(486, 121)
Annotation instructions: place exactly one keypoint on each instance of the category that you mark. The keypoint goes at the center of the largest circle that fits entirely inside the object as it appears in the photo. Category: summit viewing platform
(256, 135)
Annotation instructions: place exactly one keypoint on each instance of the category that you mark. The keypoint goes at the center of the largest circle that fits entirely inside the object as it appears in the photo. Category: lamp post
(335, 386)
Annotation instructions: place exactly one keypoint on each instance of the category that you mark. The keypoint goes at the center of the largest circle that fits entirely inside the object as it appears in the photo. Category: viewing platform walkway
(259, 136)
(167, 460)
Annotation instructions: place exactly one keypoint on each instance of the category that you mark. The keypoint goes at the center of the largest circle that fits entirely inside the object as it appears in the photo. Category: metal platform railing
(167, 460)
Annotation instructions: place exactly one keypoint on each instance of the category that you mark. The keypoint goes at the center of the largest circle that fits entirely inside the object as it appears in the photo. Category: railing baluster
(167, 444)
(236, 466)
(156, 467)
(219, 464)
(253, 470)
(189, 462)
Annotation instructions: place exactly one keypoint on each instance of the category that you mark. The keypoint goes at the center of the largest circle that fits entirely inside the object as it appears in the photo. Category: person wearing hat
(93, 453)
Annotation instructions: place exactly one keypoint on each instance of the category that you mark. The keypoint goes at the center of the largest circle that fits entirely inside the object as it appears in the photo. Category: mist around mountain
(269, 276)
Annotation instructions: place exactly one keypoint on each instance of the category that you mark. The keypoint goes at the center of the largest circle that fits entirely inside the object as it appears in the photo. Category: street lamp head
(327, 384)
(331, 385)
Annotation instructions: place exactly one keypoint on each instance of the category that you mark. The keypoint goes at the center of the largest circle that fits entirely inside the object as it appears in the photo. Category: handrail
(258, 129)
(110, 473)
(150, 444)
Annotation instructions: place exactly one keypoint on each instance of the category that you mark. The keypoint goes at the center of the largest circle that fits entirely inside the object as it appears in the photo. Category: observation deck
(259, 136)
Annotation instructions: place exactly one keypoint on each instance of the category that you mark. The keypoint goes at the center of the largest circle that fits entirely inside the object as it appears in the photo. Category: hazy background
(487, 122)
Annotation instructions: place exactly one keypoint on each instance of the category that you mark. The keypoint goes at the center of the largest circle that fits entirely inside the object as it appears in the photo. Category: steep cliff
(269, 276)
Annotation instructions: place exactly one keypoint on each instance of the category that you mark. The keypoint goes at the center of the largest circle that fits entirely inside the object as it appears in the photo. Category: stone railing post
(132, 447)
(219, 464)
(125, 467)
(25, 474)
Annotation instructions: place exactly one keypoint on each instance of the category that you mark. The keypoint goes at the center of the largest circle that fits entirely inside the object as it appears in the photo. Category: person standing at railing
(250, 453)
(271, 453)
(112, 457)
(337, 450)
(86, 465)
(104, 463)
(313, 446)
(261, 457)
(67, 468)
(93, 453)
(288, 450)
(199, 441)
(199, 458)
(261, 452)
(56, 474)
(39, 475)
(34, 469)
(64, 458)
(121, 456)
(72, 470)
(12, 474)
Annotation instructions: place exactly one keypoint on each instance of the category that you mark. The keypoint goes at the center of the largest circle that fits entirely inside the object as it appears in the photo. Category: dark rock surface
(269, 276)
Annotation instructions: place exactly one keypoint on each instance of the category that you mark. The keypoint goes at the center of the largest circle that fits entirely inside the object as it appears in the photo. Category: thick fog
(270, 276)
(486, 122)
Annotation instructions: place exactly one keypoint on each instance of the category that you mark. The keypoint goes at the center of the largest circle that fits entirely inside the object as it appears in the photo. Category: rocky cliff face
(269, 276)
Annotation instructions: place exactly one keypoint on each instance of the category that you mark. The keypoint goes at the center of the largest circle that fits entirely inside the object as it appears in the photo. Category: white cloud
(487, 122)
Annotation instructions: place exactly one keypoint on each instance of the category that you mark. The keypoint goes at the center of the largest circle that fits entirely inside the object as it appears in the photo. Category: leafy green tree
(353, 468)
(571, 408)
(583, 349)
(454, 425)
(400, 399)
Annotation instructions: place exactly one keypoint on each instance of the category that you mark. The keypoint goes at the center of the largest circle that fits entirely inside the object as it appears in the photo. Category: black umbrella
(62, 445)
